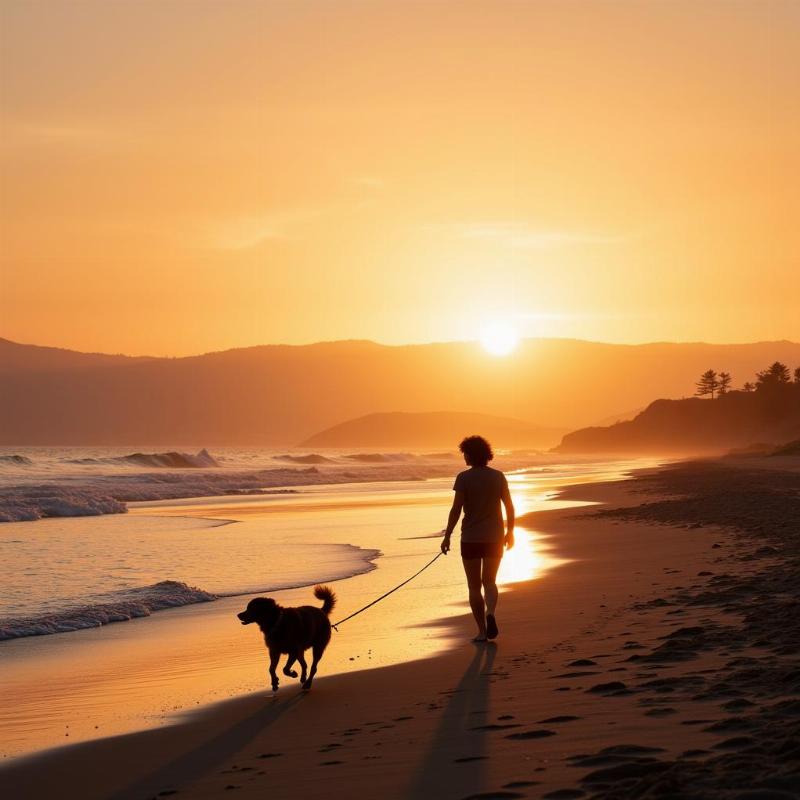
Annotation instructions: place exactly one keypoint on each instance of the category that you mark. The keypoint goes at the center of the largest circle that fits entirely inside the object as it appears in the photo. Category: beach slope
(662, 658)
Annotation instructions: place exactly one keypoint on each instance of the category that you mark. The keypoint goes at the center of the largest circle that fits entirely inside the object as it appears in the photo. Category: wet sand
(661, 659)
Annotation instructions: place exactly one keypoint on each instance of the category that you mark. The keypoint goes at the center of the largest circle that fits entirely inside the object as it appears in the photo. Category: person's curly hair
(476, 450)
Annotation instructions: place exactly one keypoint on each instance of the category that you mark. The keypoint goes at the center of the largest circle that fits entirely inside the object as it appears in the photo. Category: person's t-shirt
(483, 489)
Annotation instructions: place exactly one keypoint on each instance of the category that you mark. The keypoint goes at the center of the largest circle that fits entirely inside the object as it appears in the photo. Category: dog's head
(262, 610)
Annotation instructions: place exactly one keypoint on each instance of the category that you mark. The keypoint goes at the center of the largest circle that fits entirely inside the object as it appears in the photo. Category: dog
(292, 631)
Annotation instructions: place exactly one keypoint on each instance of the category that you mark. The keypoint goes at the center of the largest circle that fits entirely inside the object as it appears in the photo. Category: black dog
(292, 631)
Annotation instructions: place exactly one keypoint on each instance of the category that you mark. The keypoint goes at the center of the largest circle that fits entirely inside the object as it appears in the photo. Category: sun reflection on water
(527, 558)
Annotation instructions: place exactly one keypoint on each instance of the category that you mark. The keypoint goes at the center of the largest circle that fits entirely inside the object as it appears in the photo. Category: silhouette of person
(480, 491)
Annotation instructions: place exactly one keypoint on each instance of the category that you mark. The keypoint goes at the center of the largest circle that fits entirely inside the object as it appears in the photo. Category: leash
(335, 626)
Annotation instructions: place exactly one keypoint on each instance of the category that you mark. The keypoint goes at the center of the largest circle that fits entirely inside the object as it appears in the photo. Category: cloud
(549, 316)
(250, 231)
(523, 236)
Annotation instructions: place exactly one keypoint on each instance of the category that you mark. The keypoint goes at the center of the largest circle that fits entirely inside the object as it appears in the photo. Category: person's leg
(488, 579)
(472, 569)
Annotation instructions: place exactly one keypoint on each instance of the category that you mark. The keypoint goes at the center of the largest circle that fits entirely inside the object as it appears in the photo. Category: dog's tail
(325, 593)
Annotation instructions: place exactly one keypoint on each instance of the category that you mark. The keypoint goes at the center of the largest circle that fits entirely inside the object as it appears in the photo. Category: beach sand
(660, 660)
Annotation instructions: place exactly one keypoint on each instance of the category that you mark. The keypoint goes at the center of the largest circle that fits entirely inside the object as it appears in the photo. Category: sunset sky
(178, 177)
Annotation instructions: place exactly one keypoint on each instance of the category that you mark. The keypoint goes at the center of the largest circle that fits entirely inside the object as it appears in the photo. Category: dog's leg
(287, 669)
(274, 657)
(317, 651)
(301, 660)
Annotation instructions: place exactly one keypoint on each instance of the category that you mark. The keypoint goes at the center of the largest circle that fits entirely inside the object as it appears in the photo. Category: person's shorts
(482, 549)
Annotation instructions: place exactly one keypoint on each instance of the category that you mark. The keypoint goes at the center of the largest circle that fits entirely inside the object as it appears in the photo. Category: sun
(499, 339)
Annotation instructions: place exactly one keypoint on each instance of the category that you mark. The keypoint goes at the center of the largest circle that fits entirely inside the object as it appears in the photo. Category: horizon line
(375, 343)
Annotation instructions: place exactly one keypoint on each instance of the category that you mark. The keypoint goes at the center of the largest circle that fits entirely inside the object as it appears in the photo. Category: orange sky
(177, 177)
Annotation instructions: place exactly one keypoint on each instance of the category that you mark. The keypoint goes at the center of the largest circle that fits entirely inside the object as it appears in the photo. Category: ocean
(141, 603)
(85, 544)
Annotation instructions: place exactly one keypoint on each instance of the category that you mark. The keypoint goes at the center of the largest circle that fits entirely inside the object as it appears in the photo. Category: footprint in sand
(621, 772)
(615, 755)
(737, 705)
(556, 720)
(730, 725)
(564, 794)
(612, 689)
(520, 784)
(467, 759)
(539, 733)
(496, 726)
(660, 712)
(576, 674)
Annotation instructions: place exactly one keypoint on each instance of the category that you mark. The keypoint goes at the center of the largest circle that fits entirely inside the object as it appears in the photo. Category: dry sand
(661, 661)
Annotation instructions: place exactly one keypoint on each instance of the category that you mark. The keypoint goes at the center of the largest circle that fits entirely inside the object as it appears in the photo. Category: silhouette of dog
(292, 631)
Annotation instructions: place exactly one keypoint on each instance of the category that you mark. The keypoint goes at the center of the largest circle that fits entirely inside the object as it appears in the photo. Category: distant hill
(611, 419)
(279, 395)
(431, 429)
(31, 358)
(695, 426)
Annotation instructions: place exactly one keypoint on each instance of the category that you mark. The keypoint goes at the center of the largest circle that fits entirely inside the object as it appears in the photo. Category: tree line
(775, 376)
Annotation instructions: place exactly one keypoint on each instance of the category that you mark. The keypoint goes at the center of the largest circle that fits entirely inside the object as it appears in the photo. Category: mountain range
(285, 395)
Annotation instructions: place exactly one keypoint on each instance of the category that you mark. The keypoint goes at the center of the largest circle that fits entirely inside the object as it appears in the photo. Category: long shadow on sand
(457, 755)
(200, 760)
(174, 760)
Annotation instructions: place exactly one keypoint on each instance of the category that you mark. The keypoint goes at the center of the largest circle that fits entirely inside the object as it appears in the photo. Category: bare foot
(481, 637)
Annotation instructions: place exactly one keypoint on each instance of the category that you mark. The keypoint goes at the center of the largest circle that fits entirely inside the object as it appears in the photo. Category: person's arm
(452, 520)
(509, 505)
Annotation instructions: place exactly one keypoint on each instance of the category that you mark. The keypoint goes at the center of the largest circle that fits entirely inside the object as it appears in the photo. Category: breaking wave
(381, 458)
(171, 460)
(127, 604)
(89, 483)
(26, 503)
(311, 458)
(107, 494)
(15, 460)
(114, 607)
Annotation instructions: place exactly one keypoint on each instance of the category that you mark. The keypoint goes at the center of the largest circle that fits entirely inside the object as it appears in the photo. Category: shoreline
(538, 712)
(229, 710)
(28, 495)
(63, 689)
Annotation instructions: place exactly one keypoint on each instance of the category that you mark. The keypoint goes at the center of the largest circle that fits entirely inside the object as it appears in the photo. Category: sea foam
(114, 607)
(108, 494)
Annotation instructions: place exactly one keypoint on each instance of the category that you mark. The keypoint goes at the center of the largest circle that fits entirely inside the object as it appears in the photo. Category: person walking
(480, 491)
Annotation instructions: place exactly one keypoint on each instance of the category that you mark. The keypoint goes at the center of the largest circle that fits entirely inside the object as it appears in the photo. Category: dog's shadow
(213, 752)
